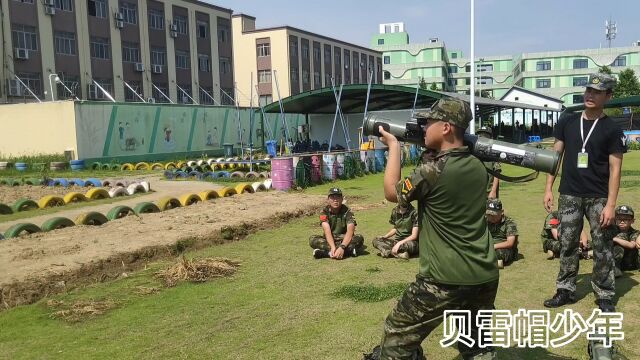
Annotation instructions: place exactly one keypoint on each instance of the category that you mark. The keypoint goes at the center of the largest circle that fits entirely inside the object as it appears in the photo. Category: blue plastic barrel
(77, 165)
(271, 147)
(20, 166)
(379, 159)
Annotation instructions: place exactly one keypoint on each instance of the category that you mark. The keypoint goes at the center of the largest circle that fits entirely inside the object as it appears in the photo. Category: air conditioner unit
(49, 2)
(173, 27)
(21, 53)
(173, 34)
(93, 92)
(157, 69)
(49, 10)
(151, 100)
(433, 40)
(119, 16)
(15, 88)
(139, 67)
(119, 24)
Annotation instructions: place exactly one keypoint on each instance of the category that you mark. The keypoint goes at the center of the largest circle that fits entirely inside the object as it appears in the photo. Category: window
(97, 8)
(317, 80)
(380, 41)
(467, 81)
(387, 75)
(204, 64)
(184, 93)
(305, 51)
(225, 65)
(454, 55)
(226, 96)
(156, 19)
(223, 33)
(96, 93)
(485, 67)
(181, 24)
(293, 46)
(264, 76)
(71, 82)
(396, 28)
(130, 52)
(24, 37)
(387, 59)
(203, 29)
(620, 61)
(453, 69)
(157, 94)
(65, 5)
(129, 13)
(132, 96)
(25, 1)
(327, 55)
(485, 80)
(33, 81)
(294, 74)
(263, 50)
(578, 99)
(316, 54)
(205, 96)
(543, 65)
(158, 56)
(543, 83)
(265, 100)
(387, 29)
(305, 76)
(580, 81)
(65, 43)
(182, 60)
(580, 63)
(100, 48)
(467, 68)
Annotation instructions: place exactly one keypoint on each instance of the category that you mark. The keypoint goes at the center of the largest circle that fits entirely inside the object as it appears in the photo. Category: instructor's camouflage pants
(421, 310)
(571, 211)
(319, 242)
(385, 245)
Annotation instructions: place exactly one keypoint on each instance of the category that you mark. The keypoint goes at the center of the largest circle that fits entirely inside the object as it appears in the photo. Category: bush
(634, 145)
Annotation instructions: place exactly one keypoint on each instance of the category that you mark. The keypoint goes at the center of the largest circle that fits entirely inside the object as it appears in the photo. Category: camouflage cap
(601, 82)
(335, 191)
(494, 207)
(624, 210)
(485, 130)
(454, 111)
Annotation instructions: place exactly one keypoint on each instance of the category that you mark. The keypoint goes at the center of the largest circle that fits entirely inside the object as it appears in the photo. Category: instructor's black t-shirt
(607, 138)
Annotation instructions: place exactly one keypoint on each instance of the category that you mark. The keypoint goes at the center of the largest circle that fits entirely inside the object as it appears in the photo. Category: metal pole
(103, 91)
(135, 92)
(335, 118)
(26, 87)
(472, 102)
(58, 81)
(209, 95)
(51, 87)
(251, 126)
(264, 116)
(415, 99)
(282, 115)
(345, 130)
(161, 93)
(186, 93)
(366, 104)
(235, 86)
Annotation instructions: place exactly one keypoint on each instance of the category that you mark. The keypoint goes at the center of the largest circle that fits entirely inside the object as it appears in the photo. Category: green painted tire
(96, 166)
(57, 223)
(119, 212)
(17, 229)
(25, 205)
(146, 208)
(91, 218)
(5, 209)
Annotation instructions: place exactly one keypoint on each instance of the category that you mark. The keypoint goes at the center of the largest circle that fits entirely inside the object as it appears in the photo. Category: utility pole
(610, 30)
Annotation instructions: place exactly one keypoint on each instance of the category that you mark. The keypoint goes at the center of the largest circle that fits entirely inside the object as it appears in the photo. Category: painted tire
(97, 194)
(267, 184)
(168, 203)
(142, 166)
(5, 209)
(145, 185)
(5, 181)
(115, 167)
(96, 166)
(180, 164)
(169, 166)
(206, 167)
(201, 162)
(208, 175)
(211, 161)
(196, 174)
(244, 188)
(169, 175)
(119, 212)
(222, 174)
(93, 182)
(146, 208)
(77, 182)
(74, 197)
(91, 218)
(57, 166)
(108, 183)
(252, 175)
(180, 174)
(134, 188)
(208, 195)
(117, 191)
(50, 201)
(226, 191)
(237, 174)
(198, 168)
(258, 186)
(121, 183)
(17, 230)
(264, 175)
(15, 182)
(57, 223)
(25, 205)
(186, 169)
(33, 181)
(157, 166)
(191, 163)
(126, 167)
(59, 182)
(105, 167)
(189, 199)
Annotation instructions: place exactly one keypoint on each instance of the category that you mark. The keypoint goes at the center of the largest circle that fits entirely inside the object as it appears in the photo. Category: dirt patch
(9, 194)
(197, 270)
(41, 264)
(80, 310)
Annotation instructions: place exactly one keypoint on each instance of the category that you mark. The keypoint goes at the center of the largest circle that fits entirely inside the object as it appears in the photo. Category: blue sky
(503, 27)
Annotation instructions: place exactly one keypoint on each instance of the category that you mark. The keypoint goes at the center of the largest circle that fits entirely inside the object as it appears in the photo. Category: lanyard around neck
(584, 141)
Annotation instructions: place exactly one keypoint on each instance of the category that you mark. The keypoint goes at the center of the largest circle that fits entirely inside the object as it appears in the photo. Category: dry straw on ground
(79, 310)
(197, 270)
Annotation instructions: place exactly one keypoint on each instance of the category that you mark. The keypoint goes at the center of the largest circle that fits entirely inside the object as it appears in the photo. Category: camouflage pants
(571, 211)
(507, 255)
(319, 242)
(625, 259)
(421, 310)
(385, 245)
(553, 245)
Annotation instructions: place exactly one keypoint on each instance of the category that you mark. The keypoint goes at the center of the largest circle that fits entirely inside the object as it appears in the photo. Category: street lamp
(51, 85)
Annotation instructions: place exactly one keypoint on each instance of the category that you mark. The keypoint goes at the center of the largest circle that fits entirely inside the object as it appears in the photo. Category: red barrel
(282, 173)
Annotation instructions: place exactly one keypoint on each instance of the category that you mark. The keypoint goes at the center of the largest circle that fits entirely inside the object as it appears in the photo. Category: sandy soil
(9, 194)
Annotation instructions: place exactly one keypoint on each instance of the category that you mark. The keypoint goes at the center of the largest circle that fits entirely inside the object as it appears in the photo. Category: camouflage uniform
(404, 224)
(548, 241)
(495, 166)
(457, 262)
(627, 259)
(500, 231)
(338, 223)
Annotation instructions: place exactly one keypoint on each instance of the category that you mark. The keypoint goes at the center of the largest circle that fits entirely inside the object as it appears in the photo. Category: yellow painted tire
(142, 166)
(157, 166)
(244, 188)
(74, 197)
(168, 203)
(97, 194)
(189, 199)
(50, 201)
(208, 195)
(126, 167)
(180, 164)
(91, 218)
(226, 191)
(170, 166)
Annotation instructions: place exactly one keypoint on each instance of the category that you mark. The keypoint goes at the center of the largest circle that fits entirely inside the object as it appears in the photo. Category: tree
(422, 84)
(605, 70)
(627, 85)
(433, 86)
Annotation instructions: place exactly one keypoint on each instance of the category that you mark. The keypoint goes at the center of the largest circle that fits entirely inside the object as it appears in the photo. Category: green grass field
(283, 304)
